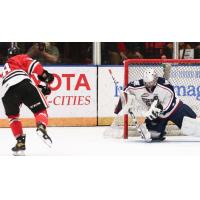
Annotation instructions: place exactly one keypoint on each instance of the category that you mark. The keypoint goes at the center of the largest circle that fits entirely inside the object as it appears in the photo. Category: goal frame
(148, 61)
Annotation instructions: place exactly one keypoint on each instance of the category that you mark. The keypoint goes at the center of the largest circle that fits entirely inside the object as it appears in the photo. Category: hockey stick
(123, 99)
(118, 88)
(114, 80)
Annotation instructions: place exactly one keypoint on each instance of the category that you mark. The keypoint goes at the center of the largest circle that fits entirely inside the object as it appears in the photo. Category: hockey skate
(19, 148)
(42, 133)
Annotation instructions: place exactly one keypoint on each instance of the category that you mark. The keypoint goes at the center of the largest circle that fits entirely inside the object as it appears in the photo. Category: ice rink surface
(82, 164)
(77, 141)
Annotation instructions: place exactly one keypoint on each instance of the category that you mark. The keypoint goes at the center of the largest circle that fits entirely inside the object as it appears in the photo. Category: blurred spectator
(86, 53)
(77, 53)
(4, 46)
(119, 51)
(130, 50)
(24, 46)
(186, 50)
(154, 49)
(49, 53)
(197, 51)
(113, 53)
(167, 51)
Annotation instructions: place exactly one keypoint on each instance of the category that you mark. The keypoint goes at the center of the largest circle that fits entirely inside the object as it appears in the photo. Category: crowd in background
(111, 52)
(55, 52)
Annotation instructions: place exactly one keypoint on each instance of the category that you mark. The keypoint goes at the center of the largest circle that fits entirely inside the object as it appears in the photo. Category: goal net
(184, 75)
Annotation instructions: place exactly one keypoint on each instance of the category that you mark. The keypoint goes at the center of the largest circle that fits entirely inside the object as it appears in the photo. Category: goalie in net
(157, 96)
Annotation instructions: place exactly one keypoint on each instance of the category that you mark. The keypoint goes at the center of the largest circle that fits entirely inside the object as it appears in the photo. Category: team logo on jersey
(145, 95)
(148, 99)
(145, 98)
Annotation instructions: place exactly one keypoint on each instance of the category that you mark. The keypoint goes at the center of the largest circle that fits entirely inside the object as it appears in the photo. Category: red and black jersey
(22, 62)
(18, 68)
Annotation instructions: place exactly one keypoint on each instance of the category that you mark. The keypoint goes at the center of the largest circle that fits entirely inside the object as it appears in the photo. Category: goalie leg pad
(145, 134)
(191, 126)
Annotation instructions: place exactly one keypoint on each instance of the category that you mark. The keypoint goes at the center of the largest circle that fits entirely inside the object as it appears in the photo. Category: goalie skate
(42, 133)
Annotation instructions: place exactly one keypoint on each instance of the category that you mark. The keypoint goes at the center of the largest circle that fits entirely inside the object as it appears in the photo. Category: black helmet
(13, 51)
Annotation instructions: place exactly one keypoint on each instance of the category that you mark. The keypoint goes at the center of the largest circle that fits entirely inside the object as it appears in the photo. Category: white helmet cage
(150, 78)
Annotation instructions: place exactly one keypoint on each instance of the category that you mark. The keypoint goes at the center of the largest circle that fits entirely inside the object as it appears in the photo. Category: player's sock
(41, 121)
(41, 117)
(15, 125)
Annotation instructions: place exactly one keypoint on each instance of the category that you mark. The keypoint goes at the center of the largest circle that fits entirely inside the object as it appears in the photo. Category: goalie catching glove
(154, 111)
(46, 77)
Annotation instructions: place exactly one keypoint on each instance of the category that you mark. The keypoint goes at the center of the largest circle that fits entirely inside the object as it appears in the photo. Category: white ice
(90, 141)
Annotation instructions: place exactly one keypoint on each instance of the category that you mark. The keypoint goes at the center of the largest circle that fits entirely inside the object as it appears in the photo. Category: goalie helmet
(150, 78)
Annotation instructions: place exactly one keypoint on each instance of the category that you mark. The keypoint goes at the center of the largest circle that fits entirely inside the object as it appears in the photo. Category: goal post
(184, 76)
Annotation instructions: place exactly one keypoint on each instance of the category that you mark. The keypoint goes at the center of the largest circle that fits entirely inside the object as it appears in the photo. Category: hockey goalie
(157, 95)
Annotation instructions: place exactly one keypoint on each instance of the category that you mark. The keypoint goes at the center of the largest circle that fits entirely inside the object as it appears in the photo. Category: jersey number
(6, 69)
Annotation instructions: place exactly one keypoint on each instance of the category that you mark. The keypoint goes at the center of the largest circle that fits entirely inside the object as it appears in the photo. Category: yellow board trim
(72, 121)
(104, 121)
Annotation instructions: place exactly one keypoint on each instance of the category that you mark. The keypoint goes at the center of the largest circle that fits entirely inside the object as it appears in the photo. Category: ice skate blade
(19, 153)
(46, 141)
(148, 140)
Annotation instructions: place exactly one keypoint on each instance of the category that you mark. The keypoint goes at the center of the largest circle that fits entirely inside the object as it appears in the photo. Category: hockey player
(18, 88)
(157, 95)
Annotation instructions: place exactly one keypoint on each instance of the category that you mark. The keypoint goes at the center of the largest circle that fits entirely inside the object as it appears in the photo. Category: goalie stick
(117, 86)
(123, 99)
(140, 127)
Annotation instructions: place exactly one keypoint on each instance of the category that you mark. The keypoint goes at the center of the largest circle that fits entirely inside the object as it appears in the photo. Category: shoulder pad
(137, 83)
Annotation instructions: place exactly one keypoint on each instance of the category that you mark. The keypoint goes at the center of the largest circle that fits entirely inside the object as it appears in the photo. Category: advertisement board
(77, 100)
(108, 94)
(73, 101)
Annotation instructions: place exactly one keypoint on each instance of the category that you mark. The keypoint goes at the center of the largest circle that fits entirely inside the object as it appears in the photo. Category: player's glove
(45, 89)
(154, 111)
(153, 114)
(46, 77)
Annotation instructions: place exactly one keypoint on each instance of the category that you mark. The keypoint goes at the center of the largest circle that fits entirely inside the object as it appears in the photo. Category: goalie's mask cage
(184, 75)
(150, 78)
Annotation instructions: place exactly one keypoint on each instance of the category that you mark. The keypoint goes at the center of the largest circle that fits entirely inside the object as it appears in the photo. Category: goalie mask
(150, 78)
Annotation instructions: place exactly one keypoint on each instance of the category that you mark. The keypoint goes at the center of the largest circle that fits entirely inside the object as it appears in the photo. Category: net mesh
(184, 75)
